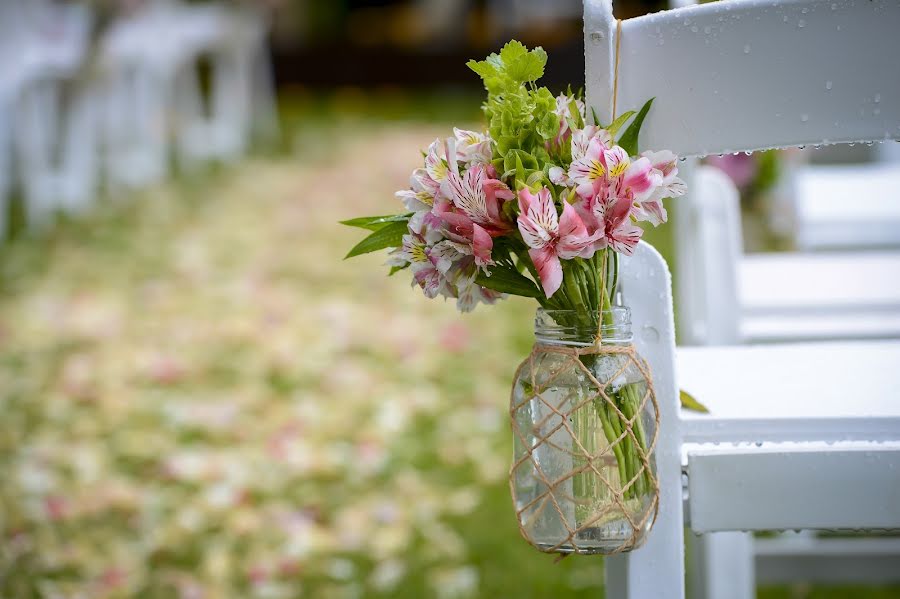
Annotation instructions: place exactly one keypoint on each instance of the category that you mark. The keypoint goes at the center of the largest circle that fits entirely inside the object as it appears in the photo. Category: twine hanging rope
(541, 442)
(616, 69)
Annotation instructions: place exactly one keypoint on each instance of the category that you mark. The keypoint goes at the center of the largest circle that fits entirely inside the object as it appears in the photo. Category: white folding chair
(727, 297)
(823, 221)
(745, 76)
(154, 97)
(44, 46)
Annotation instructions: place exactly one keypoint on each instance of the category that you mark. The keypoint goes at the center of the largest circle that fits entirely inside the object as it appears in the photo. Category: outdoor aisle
(197, 393)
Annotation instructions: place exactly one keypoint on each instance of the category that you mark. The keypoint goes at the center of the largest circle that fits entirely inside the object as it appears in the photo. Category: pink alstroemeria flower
(604, 168)
(425, 273)
(663, 164)
(472, 147)
(472, 213)
(612, 213)
(439, 161)
(551, 238)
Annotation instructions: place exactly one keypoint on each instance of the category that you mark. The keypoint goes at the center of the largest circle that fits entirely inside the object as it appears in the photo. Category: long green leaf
(689, 403)
(629, 139)
(621, 120)
(373, 223)
(391, 235)
(507, 280)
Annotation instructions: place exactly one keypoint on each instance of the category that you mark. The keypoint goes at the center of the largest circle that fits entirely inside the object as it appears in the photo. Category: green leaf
(396, 269)
(522, 65)
(689, 403)
(388, 236)
(617, 124)
(373, 223)
(629, 139)
(507, 280)
(574, 113)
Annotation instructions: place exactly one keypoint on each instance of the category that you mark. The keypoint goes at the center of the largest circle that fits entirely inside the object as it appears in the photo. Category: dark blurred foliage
(422, 43)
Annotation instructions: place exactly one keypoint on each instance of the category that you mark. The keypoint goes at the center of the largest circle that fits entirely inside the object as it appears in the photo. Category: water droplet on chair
(801, 24)
(877, 98)
(828, 85)
(747, 49)
(804, 117)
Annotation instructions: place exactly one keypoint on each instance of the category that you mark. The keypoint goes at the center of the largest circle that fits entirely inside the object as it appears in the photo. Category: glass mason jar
(583, 476)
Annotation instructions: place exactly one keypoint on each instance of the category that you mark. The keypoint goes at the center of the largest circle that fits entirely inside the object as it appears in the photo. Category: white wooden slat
(722, 565)
(647, 288)
(848, 206)
(816, 376)
(795, 488)
(792, 392)
(732, 76)
(780, 282)
(794, 327)
(804, 283)
(817, 559)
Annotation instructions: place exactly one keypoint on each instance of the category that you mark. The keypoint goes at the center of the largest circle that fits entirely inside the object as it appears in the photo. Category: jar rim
(581, 327)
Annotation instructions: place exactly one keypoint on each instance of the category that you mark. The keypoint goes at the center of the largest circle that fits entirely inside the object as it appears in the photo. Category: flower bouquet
(541, 205)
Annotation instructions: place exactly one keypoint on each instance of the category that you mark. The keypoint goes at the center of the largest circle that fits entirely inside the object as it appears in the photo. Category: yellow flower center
(618, 169)
(439, 172)
(418, 253)
(596, 170)
(425, 198)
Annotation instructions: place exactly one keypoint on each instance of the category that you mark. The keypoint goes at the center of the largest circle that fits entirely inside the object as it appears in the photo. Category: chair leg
(656, 570)
(722, 565)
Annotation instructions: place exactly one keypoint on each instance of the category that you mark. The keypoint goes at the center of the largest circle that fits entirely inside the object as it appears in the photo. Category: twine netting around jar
(554, 494)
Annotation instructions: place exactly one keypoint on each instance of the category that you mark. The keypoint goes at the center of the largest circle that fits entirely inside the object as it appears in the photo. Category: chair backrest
(647, 289)
(710, 246)
(734, 76)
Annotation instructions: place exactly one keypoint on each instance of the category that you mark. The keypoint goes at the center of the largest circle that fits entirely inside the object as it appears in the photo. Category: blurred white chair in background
(823, 219)
(155, 99)
(52, 116)
(729, 297)
(782, 447)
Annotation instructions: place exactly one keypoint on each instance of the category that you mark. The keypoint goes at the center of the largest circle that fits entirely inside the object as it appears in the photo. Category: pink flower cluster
(604, 193)
(457, 202)
(459, 207)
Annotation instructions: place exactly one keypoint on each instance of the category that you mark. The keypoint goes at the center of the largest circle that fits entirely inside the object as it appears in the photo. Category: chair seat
(806, 283)
(848, 206)
(853, 324)
(793, 392)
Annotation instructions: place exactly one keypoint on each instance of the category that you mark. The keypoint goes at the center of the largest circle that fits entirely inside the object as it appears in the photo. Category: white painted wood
(722, 566)
(727, 297)
(827, 560)
(792, 327)
(43, 47)
(150, 61)
(776, 488)
(732, 76)
(656, 570)
(863, 280)
(793, 373)
(710, 244)
(827, 220)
